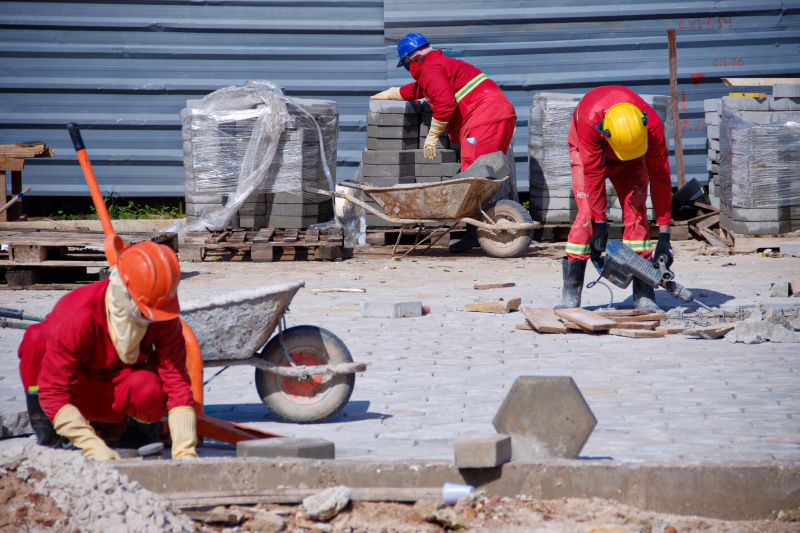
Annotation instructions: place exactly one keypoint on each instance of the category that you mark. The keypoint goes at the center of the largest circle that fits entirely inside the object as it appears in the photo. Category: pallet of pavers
(51, 259)
(265, 245)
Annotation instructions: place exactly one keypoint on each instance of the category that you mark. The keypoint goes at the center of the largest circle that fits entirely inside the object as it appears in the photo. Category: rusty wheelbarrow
(303, 373)
(504, 230)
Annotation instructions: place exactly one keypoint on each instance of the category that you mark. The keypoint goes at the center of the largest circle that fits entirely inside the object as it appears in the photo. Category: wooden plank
(311, 236)
(12, 163)
(636, 333)
(758, 82)
(647, 317)
(586, 319)
(524, 326)
(290, 235)
(543, 319)
(499, 306)
(27, 253)
(488, 286)
(264, 235)
(614, 313)
(669, 330)
(647, 324)
(26, 150)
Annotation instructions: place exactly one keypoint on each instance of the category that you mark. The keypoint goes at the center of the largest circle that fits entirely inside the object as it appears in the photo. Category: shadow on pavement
(256, 412)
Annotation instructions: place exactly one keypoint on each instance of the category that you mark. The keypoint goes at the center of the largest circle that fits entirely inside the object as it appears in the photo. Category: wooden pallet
(265, 245)
(59, 259)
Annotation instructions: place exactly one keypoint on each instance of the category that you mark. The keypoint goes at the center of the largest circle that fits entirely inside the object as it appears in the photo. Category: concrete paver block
(781, 289)
(393, 106)
(387, 157)
(791, 248)
(393, 119)
(392, 132)
(391, 144)
(481, 450)
(378, 309)
(304, 448)
(545, 416)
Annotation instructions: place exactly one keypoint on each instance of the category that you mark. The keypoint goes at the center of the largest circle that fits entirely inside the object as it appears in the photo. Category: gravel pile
(92, 495)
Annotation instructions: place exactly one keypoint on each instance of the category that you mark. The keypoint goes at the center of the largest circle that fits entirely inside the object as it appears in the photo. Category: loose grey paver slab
(305, 448)
(481, 450)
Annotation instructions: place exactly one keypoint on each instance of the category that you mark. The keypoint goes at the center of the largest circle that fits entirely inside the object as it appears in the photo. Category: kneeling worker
(465, 102)
(615, 134)
(112, 352)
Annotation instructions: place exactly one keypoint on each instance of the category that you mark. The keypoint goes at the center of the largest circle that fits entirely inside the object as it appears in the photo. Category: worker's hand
(69, 423)
(599, 240)
(392, 93)
(663, 248)
(183, 431)
(429, 148)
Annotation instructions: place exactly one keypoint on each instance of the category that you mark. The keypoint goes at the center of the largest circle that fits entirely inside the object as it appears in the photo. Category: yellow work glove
(392, 93)
(183, 430)
(435, 131)
(69, 423)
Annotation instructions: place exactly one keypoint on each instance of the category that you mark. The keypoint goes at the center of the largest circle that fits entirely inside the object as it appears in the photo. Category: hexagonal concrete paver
(546, 416)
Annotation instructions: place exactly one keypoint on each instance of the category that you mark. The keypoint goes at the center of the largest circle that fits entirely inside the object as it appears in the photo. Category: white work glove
(435, 131)
(183, 430)
(392, 93)
(69, 423)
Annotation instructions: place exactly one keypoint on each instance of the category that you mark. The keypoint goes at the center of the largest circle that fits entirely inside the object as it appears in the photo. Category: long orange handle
(194, 365)
(112, 244)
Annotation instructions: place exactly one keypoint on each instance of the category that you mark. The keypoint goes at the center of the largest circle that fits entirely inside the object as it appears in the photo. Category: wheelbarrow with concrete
(504, 229)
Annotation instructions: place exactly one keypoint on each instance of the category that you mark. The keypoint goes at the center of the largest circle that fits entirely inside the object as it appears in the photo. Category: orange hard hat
(151, 273)
(625, 127)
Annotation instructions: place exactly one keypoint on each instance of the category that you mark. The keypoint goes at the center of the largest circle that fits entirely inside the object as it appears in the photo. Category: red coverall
(592, 160)
(480, 116)
(69, 358)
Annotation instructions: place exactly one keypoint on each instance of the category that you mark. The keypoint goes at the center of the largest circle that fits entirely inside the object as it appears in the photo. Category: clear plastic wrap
(758, 163)
(243, 141)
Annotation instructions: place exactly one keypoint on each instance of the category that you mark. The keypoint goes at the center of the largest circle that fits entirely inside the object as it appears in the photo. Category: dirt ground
(480, 513)
(22, 509)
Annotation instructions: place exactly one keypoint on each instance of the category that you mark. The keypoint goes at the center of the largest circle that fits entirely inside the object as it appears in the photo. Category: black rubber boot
(573, 272)
(644, 297)
(139, 433)
(42, 427)
(468, 242)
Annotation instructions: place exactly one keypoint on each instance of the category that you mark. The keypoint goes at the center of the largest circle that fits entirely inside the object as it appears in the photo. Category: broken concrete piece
(499, 306)
(14, 424)
(481, 450)
(266, 522)
(781, 289)
(545, 417)
(713, 332)
(391, 309)
(328, 503)
(756, 332)
(304, 448)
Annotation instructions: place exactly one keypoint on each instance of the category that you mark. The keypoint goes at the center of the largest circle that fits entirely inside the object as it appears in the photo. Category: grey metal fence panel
(125, 69)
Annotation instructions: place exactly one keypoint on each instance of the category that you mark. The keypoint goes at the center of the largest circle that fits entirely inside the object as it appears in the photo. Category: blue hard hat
(409, 44)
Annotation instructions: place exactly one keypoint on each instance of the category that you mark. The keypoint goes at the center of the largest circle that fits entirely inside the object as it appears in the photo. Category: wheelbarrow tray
(236, 325)
(448, 200)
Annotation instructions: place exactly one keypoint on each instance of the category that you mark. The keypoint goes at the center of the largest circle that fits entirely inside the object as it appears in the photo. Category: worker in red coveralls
(615, 134)
(465, 102)
(113, 353)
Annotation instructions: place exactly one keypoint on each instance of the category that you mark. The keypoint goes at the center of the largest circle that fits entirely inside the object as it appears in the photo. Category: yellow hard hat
(624, 126)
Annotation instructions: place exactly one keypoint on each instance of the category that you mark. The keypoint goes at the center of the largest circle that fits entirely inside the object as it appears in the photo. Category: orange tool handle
(112, 244)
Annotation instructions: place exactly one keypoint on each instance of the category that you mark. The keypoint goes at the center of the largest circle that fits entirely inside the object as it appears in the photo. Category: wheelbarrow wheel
(500, 243)
(305, 399)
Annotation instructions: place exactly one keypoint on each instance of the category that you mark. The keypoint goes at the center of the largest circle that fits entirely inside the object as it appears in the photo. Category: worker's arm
(411, 91)
(171, 350)
(590, 149)
(657, 159)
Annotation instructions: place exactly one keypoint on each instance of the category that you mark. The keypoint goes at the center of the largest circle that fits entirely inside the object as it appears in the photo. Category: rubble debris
(328, 503)
(759, 331)
(781, 289)
(713, 332)
(383, 309)
(266, 522)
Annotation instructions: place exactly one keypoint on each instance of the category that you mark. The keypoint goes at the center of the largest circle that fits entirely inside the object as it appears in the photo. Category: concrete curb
(728, 491)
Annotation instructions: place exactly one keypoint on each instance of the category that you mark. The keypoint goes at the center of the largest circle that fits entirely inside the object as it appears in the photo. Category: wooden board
(636, 333)
(644, 324)
(647, 317)
(669, 330)
(499, 306)
(586, 319)
(488, 286)
(26, 150)
(614, 313)
(543, 319)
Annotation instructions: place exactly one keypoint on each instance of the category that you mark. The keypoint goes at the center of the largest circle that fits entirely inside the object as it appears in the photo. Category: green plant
(527, 204)
(120, 208)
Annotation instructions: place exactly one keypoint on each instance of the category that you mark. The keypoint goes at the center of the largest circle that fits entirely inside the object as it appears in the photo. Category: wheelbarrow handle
(18, 314)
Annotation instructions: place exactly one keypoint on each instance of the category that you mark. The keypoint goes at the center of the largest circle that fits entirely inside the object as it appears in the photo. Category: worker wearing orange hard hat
(112, 353)
(615, 134)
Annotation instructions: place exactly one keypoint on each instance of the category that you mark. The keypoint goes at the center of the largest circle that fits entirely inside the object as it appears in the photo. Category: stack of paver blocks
(550, 183)
(396, 131)
(214, 150)
(713, 114)
(759, 162)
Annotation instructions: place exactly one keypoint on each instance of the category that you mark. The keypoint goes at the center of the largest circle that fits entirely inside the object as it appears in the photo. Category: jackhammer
(621, 264)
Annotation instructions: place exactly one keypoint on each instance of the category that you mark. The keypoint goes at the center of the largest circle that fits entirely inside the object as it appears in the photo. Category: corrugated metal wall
(124, 69)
